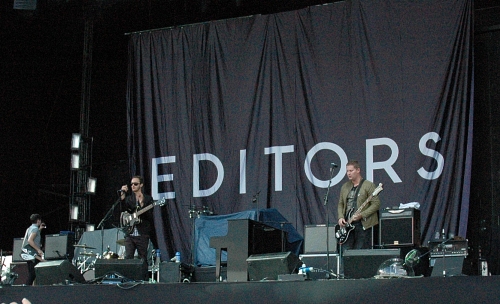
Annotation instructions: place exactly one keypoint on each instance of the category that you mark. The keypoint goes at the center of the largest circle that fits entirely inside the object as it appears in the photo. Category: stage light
(25, 4)
(75, 141)
(91, 185)
(90, 227)
(74, 212)
(75, 161)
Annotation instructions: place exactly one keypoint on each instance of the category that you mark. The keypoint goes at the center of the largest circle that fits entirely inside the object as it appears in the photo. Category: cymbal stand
(155, 268)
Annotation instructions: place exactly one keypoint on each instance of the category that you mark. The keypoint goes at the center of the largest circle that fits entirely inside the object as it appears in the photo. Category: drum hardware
(109, 255)
(84, 262)
(84, 246)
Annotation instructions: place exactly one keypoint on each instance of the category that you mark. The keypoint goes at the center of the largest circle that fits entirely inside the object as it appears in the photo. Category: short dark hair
(353, 163)
(35, 217)
(141, 179)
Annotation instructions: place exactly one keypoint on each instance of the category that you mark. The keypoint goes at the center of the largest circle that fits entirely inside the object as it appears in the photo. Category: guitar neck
(361, 207)
(145, 209)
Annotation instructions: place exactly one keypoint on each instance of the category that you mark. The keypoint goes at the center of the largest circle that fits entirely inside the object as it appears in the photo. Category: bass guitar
(128, 221)
(342, 233)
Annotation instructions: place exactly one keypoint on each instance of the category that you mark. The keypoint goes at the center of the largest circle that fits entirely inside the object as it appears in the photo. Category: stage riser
(462, 289)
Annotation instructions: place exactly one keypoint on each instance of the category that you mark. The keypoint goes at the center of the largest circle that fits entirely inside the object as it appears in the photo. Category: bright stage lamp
(75, 141)
(75, 161)
(73, 212)
(91, 185)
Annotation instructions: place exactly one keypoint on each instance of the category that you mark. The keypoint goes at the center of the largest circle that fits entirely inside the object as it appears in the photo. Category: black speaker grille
(270, 265)
(129, 268)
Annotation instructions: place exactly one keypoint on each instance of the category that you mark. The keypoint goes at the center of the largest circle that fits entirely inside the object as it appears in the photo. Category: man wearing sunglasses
(139, 235)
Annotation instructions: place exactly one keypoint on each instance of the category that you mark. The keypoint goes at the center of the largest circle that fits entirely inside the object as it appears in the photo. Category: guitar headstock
(161, 202)
(378, 189)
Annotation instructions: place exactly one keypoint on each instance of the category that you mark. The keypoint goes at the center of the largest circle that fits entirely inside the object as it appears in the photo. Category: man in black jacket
(139, 235)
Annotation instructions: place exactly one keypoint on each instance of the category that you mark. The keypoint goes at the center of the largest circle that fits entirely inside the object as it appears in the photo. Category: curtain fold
(222, 112)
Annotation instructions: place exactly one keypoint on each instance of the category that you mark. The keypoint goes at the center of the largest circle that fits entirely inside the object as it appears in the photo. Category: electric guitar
(29, 253)
(128, 221)
(342, 233)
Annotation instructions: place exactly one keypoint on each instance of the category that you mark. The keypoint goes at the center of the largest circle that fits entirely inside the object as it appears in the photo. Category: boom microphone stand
(333, 165)
(104, 219)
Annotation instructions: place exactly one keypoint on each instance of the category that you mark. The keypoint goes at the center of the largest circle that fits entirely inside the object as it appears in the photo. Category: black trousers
(358, 238)
(31, 272)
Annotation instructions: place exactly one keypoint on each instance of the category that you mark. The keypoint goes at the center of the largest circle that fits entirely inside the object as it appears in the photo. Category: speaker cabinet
(447, 266)
(176, 272)
(170, 272)
(16, 250)
(364, 263)
(269, 265)
(207, 274)
(399, 227)
(129, 268)
(57, 272)
(315, 238)
(59, 246)
(21, 269)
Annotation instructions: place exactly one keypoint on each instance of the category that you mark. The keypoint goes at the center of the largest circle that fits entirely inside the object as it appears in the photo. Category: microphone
(334, 165)
(255, 197)
(119, 192)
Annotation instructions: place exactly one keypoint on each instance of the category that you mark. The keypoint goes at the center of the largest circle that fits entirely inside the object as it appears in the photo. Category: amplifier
(59, 246)
(315, 239)
(448, 248)
(16, 250)
(399, 227)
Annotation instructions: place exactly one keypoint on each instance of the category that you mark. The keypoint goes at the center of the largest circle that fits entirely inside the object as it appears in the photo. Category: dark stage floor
(459, 289)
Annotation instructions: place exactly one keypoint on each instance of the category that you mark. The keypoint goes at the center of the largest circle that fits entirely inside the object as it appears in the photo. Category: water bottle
(177, 257)
(158, 255)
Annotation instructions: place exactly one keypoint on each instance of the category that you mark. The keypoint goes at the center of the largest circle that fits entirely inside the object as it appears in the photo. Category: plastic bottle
(177, 257)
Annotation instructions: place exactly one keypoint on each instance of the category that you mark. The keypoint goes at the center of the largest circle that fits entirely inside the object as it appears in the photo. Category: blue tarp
(210, 226)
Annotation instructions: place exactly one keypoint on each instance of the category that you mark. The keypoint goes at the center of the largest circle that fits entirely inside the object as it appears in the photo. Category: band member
(138, 238)
(352, 195)
(33, 238)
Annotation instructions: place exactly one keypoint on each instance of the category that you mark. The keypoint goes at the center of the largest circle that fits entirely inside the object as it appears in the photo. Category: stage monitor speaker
(129, 268)
(268, 266)
(16, 250)
(59, 246)
(364, 263)
(57, 272)
(447, 266)
(399, 227)
(315, 239)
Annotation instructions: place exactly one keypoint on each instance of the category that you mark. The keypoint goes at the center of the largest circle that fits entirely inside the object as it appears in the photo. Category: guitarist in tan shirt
(353, 194)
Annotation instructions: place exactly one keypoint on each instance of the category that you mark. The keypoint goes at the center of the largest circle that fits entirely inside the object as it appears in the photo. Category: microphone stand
(328, 225)
(255, 199)
(104, 219)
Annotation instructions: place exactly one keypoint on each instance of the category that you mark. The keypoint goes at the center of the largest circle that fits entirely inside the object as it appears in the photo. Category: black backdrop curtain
(221, 111)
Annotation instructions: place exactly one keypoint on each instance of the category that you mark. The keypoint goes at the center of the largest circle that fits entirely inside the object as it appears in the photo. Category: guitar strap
(355, 196)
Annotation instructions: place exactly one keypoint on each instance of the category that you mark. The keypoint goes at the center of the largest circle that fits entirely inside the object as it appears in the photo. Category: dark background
(41, 55)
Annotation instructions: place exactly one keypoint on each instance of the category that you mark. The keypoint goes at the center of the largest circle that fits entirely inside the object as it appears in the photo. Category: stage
(459, 289)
